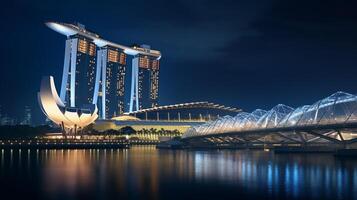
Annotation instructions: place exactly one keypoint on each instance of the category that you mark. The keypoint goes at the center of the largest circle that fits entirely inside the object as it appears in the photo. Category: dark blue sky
(246, 54)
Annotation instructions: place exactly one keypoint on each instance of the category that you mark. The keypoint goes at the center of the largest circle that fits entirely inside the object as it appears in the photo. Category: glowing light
(53, 107)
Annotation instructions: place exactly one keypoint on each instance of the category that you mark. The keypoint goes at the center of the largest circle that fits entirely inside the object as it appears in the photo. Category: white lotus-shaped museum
(70, 118)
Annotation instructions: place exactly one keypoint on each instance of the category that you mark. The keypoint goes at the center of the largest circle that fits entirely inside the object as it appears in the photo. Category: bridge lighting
(319, 122)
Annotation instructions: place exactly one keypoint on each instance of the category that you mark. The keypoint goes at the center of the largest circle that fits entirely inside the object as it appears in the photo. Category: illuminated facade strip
(134, 92)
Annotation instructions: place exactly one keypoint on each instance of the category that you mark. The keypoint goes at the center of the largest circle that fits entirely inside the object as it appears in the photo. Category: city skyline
(228, 56)
(179, 99)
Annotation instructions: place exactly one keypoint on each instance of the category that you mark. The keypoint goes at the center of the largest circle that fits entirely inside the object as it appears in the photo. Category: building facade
(78, 77)
(110, 82)
(145, 81)
(194, 111)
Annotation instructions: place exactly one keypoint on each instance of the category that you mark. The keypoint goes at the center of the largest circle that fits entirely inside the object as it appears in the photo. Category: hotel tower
(144, 82)
(94, 72)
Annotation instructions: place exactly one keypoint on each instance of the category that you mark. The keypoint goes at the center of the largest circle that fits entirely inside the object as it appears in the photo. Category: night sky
(246, 54)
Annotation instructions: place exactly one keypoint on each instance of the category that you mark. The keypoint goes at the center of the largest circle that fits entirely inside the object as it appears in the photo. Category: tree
(127, 130)
(89, 129)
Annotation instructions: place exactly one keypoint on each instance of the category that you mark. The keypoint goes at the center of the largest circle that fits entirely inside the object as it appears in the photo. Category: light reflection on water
(147, 173)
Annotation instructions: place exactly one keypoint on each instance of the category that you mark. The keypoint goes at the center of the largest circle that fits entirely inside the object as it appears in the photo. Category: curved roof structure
(202, 104)
(53, 107)
(338, 108)
(125, 118)
(70, 29)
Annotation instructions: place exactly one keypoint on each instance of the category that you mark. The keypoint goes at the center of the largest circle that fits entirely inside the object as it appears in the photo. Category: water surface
(147, 173)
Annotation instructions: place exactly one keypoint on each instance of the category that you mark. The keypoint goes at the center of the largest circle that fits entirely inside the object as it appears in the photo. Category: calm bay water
(147, 173)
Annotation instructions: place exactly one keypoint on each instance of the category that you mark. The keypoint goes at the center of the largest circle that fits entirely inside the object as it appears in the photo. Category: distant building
(7, 121)
(48, 122)
(27, 116)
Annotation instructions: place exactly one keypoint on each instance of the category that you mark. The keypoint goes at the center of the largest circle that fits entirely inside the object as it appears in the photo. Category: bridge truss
(331, 121)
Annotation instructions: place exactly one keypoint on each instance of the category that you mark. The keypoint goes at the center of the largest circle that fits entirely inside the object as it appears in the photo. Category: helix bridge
(331, 121)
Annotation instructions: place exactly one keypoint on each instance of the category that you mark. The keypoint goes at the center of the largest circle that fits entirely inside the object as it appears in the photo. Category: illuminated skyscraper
(144, 81)
(78, 77)
(110, 77)
(103, 85)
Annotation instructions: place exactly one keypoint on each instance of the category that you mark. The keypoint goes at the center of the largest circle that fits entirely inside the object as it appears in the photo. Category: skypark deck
(71, 29)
